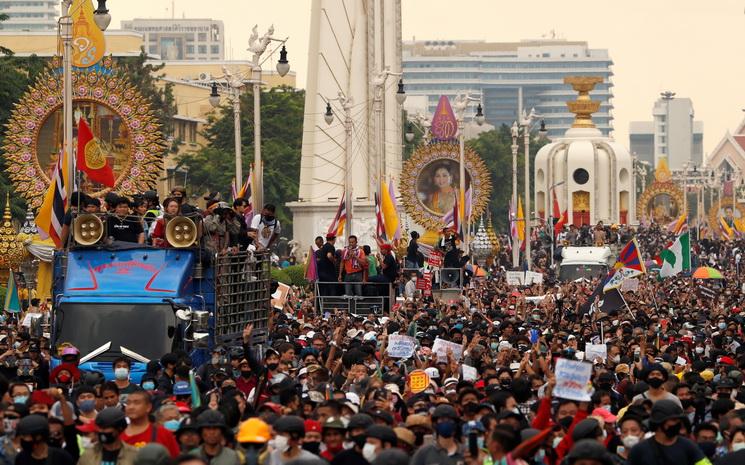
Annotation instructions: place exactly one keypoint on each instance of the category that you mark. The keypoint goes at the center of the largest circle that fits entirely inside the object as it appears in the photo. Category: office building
(181, 39)
(27, 15)
(672, 133)
(501, 71)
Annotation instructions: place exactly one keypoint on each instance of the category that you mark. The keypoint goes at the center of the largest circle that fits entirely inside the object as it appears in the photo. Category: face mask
(269, 218)
(699, 350)
(63, 378)
(87, 406)
(107, 438)
(738, 446)
(539, 456)
(445, 429)
(655, 382)
(236, 373)
(27, 446)
(686, 403)
(630, 441)
(616, 358)
(172, 425)
(20, 399)
(494, 346)
(369, 452)
(506, 383)
(359, 440)
(272, 366)
(86, 442)
(709, 448)
(246, 373)
(566, 422)
(55, 442)
(606, 407)
(672, 430)
(148, 386)
(215, 359)
(121, 374)
(280, 443)
(312, 447)
(556, 442)
(480, 442)
(722, 325)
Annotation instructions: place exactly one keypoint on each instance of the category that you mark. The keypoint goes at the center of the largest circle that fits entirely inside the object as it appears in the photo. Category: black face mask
(359, 440)
(245, 374)
(709, 448)
(419, 438)
(655, 382)
(605, 386)
(27, 446)
(268, 218)
(566, 422)
(672, 430)
(312, 447)
(272, 366)
(107, 438)
(55, 442)
(686, 403)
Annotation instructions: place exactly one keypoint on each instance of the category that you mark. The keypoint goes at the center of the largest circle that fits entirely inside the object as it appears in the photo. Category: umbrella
(706, 272)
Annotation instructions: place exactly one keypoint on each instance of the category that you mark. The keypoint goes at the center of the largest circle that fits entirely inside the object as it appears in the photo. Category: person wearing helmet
(333, 437)
(110, 423)
(33, 432)
(212, 429)
(253, 436)
(445, 450)
(667, 446)
(289, 431)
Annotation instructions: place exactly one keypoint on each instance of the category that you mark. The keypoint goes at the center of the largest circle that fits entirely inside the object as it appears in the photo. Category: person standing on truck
(172, 208)
(265, 228)
(122, 226)
(353, 263)
(327, 266)
(140, 430)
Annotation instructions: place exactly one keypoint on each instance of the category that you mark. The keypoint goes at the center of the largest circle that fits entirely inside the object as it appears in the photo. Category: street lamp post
(346, 104)
(526, 124)
(461, 103)
(379, 85)
(515, 133)
(421, 122)
(102, 18)
(234, 84)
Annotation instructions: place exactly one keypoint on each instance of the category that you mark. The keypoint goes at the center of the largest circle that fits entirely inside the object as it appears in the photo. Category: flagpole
(66, 33)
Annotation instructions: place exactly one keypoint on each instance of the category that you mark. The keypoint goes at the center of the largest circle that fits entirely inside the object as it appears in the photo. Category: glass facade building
(29, 15)
(498, 71)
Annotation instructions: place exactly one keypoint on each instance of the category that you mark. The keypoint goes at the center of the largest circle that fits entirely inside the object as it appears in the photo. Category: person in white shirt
(265, 228)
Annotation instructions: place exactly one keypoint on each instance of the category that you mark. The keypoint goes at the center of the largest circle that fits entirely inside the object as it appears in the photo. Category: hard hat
(290, 424)
(254, 430)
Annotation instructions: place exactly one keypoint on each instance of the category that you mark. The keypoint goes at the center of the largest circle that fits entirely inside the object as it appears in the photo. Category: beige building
(190, 80)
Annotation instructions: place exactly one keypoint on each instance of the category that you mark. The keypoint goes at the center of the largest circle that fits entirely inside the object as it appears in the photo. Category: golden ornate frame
(714, 214)
(103, 85)
(423, 156)
(656, 188)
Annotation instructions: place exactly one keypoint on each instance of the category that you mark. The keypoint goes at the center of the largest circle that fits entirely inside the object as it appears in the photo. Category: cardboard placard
(441, 346)
(515, 278)
(595, 351)
(400, 346)
(572, 379)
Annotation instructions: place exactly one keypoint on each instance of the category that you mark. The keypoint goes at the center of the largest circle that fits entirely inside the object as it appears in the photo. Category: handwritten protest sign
(531, 277)
(469, 373)
(595, 351)
(515, 278)
(435, 259)
(572, 378)
(401, 346)
(441, 346)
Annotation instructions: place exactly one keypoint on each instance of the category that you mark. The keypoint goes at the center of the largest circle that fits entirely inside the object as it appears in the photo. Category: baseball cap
(181, 388)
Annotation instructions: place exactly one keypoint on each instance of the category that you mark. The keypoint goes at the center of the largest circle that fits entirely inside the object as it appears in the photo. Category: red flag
(557, 212)
(561, 223)
(91, 160)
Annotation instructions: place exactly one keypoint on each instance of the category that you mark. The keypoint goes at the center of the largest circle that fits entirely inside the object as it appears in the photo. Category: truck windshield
(574, 271)
(142, 328)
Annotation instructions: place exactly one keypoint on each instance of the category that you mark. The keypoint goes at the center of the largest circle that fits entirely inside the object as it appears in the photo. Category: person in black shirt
(327, 266)
(388, 266)
(414, 258)
(33, 431)
(124, 227)
(241, 239)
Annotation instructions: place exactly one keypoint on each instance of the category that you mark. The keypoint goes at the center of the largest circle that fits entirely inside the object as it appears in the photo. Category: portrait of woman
(438, 186)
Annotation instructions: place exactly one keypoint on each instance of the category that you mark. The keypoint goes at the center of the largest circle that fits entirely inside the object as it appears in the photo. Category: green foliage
(213, 167)
(297, 275)
(281, 276)
(495, 149)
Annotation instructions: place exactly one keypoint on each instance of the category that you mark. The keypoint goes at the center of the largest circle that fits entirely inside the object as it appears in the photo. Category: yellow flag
(388, 210)
(88, 42)
(520, 221)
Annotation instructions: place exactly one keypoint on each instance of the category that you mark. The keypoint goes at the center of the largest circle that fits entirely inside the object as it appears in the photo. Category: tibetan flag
(337, 225)
(392, 193)
(388, 211)
(91, 159)
(51, 214)
(311, 268)
(12, 302)
(629, 264)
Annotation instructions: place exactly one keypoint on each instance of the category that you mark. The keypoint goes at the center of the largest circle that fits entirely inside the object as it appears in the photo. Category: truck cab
(584, 262)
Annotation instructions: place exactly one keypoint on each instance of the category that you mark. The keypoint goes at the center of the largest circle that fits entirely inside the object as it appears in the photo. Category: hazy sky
(692, 47)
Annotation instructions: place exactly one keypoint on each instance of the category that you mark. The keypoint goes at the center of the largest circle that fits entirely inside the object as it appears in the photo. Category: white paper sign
(441, 346)
(572, 378)
(595, 351)
(469, 373)
(280, 296)
(531, 277)
(515, 278)
(631, 284)
(401, 346)
(29, 317)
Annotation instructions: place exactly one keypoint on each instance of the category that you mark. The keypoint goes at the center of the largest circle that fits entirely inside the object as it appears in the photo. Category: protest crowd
(546, 374)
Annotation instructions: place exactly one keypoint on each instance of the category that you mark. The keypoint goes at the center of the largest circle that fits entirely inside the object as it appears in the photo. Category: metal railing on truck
(360, 299)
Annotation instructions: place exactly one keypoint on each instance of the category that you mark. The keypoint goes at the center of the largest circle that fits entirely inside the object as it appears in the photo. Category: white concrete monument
(351, 43)
(591, 174)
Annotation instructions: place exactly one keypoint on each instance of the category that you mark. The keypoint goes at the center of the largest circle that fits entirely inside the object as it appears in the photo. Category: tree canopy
(212, 168)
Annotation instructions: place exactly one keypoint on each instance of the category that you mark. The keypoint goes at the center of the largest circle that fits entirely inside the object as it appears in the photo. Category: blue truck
(143, 302)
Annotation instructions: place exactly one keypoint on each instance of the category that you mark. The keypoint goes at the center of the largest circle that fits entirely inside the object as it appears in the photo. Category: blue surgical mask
(172, 425)
(20, 399)
(121, 374)
(722, 325)
(87, 406)
(148, 386)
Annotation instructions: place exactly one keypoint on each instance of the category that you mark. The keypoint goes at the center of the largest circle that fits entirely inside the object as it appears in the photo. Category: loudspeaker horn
(181, 232)
(87, 229)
